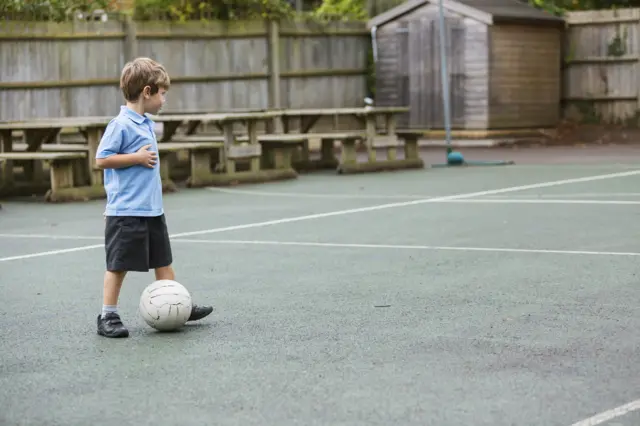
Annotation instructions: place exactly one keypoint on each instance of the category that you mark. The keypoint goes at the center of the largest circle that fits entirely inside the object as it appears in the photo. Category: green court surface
(473, 296)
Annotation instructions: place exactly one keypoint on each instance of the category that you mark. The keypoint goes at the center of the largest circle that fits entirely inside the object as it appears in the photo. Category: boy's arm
(143, 157)
(108, 155)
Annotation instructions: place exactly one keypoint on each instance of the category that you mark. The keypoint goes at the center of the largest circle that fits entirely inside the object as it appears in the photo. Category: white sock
(106, 309)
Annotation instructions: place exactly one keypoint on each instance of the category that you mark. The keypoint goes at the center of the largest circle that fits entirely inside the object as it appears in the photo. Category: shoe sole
(199, 318)
(119, 335)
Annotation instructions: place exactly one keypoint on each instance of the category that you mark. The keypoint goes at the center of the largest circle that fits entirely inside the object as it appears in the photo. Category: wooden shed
(504, 64)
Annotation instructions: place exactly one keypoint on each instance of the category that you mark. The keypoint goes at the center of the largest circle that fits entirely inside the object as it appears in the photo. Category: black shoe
(199, 312)
(111, 326)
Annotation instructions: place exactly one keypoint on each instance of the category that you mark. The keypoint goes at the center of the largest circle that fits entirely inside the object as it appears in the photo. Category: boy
(136, 236)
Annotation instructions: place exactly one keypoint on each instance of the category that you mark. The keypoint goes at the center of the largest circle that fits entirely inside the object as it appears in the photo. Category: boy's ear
(146, 92)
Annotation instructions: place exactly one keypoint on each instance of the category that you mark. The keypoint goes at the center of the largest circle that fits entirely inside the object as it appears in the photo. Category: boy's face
(154, 103)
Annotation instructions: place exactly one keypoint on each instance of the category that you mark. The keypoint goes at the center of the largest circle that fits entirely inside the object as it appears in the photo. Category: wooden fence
(73, 68)
(601, 66)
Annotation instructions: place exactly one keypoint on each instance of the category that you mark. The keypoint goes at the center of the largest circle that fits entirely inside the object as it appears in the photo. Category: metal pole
(445, 77)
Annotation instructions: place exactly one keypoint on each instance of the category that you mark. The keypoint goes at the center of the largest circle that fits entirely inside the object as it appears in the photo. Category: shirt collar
(134, 116)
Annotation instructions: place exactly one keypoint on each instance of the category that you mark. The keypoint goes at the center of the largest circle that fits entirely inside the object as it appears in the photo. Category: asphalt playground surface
(461, 296)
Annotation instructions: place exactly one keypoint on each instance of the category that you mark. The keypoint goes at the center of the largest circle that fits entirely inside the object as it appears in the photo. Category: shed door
(419, 74)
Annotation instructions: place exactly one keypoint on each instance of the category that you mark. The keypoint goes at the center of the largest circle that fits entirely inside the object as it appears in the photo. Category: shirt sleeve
(111, 142)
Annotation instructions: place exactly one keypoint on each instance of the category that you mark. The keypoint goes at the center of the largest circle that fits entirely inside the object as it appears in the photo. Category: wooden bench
(410, 137)
(278, 149)
(226, 158)
(278, 152)
(286, 145)
(63, 167)
(75, 137)
(390, 142)
(275, 155)
(348, 142)
(240, 150)
(200, 161)
(53, 147)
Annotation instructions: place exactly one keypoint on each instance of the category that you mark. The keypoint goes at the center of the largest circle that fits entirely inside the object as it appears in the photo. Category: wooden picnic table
(367, 115)
(249, 149)
(234, 149)
(373, 139)
(308, 117)
(45, 131)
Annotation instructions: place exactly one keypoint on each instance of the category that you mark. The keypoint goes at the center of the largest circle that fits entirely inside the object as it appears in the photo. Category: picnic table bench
(43, 132)
(374, 140)
(213, 159)
(199, 161)
(235, 151)
(279, 149)
(280, 146)
(64, 167)
(53, 147)
(39, 136)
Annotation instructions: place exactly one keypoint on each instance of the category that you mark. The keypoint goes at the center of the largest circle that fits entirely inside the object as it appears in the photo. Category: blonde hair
(142, 72)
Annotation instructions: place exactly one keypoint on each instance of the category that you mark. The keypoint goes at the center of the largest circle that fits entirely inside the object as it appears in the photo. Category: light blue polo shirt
(134, 190)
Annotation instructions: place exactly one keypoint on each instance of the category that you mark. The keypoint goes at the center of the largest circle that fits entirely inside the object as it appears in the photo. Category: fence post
(274, 72)
(130, 39)
(637, 67)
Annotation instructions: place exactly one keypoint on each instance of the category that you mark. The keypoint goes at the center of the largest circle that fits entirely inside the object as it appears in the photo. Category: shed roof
(487, 11)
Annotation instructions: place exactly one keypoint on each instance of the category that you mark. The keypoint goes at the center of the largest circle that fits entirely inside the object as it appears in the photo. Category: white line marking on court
(610, 414)
(539, 201)
(319, 195)
(412, 203)
(474, 200)
(407, 247)
(594, 194)
(359, 210)
(426, 196)
(575, 195)
(49, 253)
(52, 236)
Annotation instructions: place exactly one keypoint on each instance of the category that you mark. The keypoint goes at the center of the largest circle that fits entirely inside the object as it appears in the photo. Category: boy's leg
(165, 273)
(111, 292)
(161, 258)
(109, 322)
(127, 249)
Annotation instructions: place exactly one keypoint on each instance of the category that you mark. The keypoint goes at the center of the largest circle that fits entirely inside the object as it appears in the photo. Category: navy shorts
(135, 243)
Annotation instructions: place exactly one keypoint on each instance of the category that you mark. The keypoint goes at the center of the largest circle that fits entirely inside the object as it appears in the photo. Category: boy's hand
(146, 158)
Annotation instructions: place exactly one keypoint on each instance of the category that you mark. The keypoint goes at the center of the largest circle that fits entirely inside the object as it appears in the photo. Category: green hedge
(183, 10)
(211, 9)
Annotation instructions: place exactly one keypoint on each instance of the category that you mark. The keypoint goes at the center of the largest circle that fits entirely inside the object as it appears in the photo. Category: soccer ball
(165, 305)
